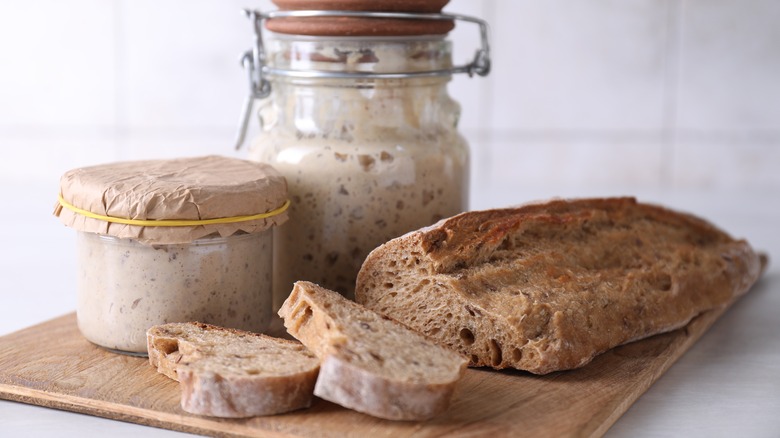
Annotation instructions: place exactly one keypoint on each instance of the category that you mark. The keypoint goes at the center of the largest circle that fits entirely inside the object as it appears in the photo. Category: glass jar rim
(352, 57)
(212, 239)
(354, 38)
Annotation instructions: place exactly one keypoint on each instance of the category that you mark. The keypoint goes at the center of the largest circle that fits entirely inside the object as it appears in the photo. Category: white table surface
(728, 384)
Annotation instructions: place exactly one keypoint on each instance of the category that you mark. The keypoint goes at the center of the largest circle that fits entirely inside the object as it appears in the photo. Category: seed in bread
(547, 287)
(233, 373)
(370, 363)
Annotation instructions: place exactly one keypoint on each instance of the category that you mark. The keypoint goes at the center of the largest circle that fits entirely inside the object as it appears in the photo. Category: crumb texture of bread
(232, 373)
(547, 287)
(370, 363)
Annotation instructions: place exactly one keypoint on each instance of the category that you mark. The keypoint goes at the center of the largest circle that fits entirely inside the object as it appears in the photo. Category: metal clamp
(253, 60)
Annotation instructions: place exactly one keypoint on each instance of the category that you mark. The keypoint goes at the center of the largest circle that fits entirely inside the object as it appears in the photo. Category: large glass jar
(355, 114)
(366, 160)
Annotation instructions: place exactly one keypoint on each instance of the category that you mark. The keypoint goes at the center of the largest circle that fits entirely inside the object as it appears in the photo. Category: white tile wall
(179, 63)
(547, 161)
(57, 64)
(43, 154)
(617, 94)
(730, 66)
(746, 163)
(152, 144)
(569, 65)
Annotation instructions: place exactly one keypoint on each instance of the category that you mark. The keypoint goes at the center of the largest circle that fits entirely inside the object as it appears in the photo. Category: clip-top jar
(364, 131)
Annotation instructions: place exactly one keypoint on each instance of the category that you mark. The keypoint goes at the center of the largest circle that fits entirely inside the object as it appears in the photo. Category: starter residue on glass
(125, 287)
(365, 160)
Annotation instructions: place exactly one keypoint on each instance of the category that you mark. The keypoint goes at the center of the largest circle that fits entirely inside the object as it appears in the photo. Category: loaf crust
(232, 373)
(369, 363)
(547, 287)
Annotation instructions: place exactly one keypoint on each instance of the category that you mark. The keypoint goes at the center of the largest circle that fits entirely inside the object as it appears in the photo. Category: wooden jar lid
(354, 26)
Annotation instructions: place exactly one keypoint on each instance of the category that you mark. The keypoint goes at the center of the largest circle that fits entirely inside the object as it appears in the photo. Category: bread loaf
(369, 363)
(547, 287)
(232, 373)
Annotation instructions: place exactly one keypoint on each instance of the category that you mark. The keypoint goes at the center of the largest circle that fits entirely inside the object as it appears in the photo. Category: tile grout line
(120, 94)
(671, 91)
(486, 136)
(118, 97)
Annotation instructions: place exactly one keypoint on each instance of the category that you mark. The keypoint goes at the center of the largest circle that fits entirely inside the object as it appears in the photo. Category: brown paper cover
(197, 188)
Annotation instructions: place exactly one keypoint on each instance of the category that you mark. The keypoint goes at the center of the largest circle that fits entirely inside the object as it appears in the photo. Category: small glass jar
(366, 160)
(172, 241)
(124, 286)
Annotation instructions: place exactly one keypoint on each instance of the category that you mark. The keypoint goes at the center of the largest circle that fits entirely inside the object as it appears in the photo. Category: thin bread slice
(547, 287)
(232, 373)
(370, 363)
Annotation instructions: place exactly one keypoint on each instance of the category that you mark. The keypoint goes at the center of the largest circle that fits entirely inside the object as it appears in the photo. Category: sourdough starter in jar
(178, 240)
(365, 160)
(124, 287)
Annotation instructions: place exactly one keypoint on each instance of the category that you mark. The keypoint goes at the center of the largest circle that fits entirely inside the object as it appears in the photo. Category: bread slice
(547, 287)
(233, 373)
(370, 363)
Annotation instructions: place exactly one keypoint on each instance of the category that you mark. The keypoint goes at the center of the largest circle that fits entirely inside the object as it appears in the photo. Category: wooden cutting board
(51, 365)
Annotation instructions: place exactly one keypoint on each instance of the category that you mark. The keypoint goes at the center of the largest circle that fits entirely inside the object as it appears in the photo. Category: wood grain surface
(52, 365)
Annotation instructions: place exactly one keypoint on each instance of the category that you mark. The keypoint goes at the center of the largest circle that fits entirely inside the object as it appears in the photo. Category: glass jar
(178, 240)
(355, 114)
(124, 286)
(366, 160)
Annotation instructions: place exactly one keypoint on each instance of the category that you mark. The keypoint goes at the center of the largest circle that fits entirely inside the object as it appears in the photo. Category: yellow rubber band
(172, 222)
